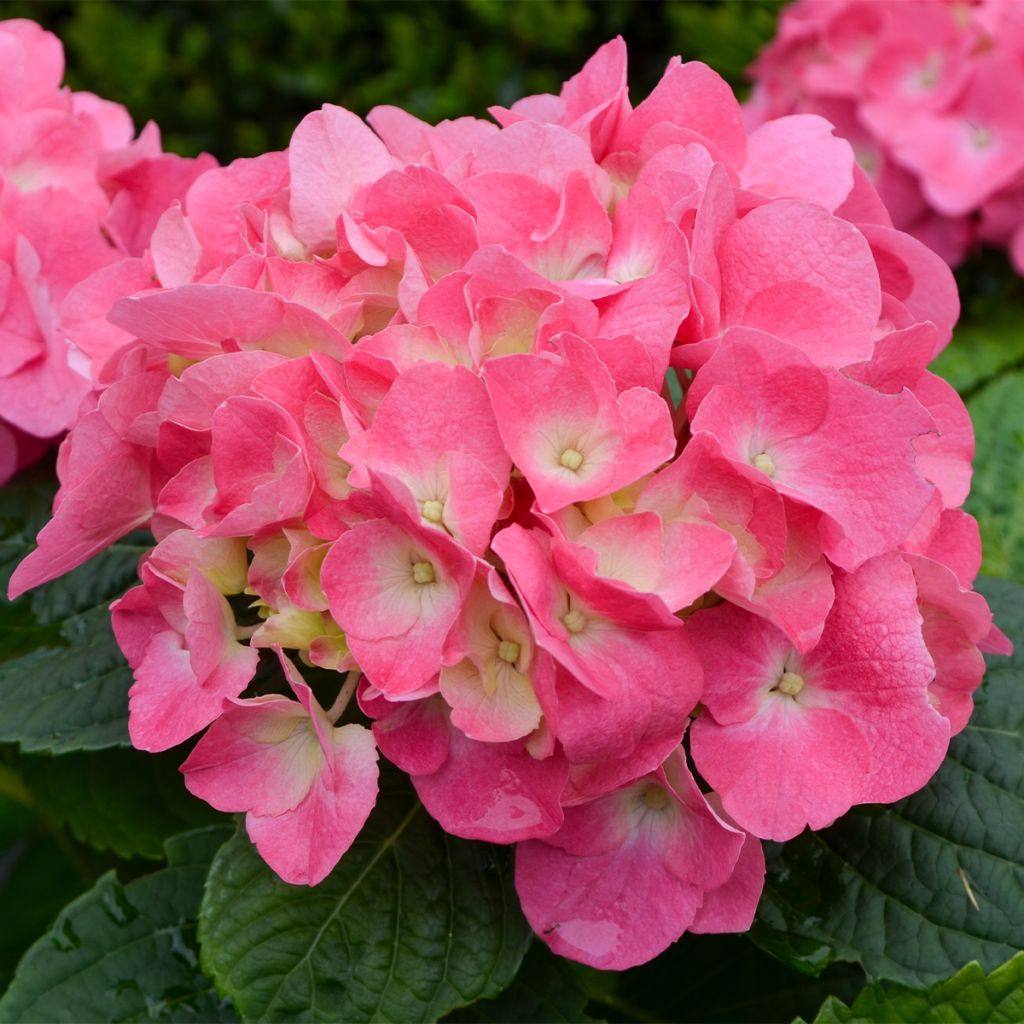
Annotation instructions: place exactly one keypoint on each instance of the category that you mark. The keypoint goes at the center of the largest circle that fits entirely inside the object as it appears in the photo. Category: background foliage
(873, 919)
(235, 78)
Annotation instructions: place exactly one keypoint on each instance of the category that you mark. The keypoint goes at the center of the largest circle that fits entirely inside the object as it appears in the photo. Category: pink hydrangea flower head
(566, 439)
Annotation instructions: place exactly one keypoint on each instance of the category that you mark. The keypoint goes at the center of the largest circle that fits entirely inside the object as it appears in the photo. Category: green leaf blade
(547, 988)
(125, 952)
(119, 799)
(411, 925)
(997, 489)
(970, 995)
(59, 699)
(63, 680)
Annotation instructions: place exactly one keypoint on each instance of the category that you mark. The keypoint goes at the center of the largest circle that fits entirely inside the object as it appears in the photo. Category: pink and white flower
(77, 194)
(920, 91)
(405, 401)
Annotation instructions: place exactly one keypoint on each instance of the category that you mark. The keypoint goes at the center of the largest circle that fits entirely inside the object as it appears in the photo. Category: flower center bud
(574, 620)
(433, 511)
(764, 462)
(790, 684)
(982, 138)
(508, 650)
(423, 572)
(571, 459)
(655, 798)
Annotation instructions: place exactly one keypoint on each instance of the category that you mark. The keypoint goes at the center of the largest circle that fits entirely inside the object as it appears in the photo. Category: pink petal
(304, 845)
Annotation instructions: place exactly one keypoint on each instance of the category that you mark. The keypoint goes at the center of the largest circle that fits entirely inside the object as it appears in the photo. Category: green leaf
(64, 683)
(917, 889)
(36, 880)
(547, 990)
(983, 347)
(997, 491)
(125, 952)
(70, 697)
(987, 340)
(24, 508)
(411, 924)
(120, 799)
(970, 995)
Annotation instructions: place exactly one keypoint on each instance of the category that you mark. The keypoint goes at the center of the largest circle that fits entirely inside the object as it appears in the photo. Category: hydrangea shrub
(584, 464)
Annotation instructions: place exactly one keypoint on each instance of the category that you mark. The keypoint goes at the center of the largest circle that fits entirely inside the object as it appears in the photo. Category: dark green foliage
(122, 800)
(998, 486)
(411, 924)
(125, 952)
(970, 995)
(989, 339)
(547, 988)
(63, 680)
(71, 694)
(720, 978)
(235, 78)
(37, 877)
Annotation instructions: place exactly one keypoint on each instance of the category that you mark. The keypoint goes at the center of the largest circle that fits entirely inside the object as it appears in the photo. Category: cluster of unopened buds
(78, 192)
(929, 93)
(582, 447)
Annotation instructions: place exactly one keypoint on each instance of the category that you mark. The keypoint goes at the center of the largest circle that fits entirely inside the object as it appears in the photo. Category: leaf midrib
(384, 847)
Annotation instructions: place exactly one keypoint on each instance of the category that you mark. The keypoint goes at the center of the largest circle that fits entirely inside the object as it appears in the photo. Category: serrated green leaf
(119, 799)
(970, 996)
(63, 680)
(411, 924)
(917, 889)
(66, 698)
(125, 952)
(997, 490)
(546, 990)
(93, 585)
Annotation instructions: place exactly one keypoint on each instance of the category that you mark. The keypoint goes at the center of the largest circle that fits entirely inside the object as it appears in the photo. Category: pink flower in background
(77, 193)
(928, 93)
(587, 442)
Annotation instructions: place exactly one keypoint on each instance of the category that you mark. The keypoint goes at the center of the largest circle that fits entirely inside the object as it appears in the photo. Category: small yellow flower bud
(790, 684)
(574, 620)
(433, 511)
(423, 572)
(571, 459)
(655, 798)
(764, 462)
(508, 650)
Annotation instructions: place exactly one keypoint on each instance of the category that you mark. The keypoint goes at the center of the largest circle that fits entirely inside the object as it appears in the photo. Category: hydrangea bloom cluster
(929, 93)
(575, 443)
(78, 192)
